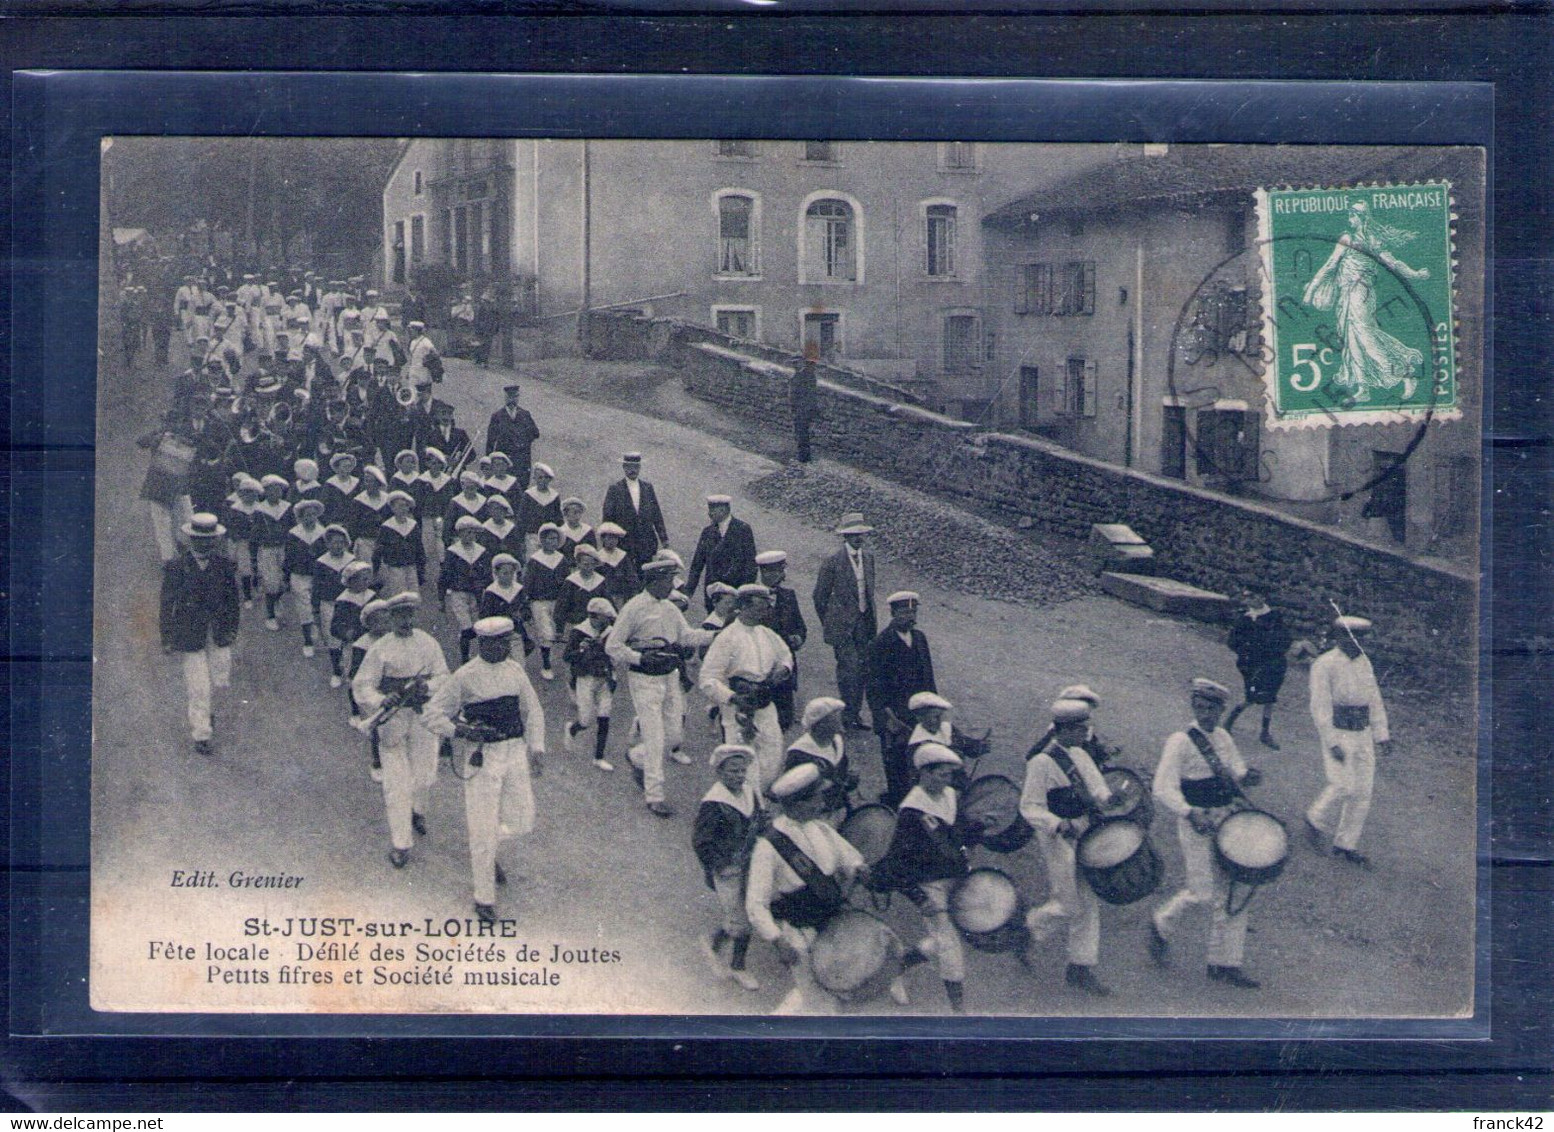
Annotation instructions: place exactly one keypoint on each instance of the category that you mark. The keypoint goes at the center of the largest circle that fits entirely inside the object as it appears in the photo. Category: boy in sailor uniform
(822, 744)
(466, 571)
(500, 479)
(304, 544)
(399, 556)
(580, 587)
(340, 489)
(621, 583)
(305, 485)
(271, 521)
(505, 597)
(239, 517)
(407, 478)
(468, 502)
(727, 822)
(540, 503)
(543, 576)
(593, 678)
(750, 650)
(1199, 775)
(1063, 790)
(574, 532)
(437, 490)
(331, 574)
(501, 535)
(369, 508)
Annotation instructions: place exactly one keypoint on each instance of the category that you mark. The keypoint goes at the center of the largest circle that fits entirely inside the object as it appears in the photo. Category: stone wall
(1426, 613)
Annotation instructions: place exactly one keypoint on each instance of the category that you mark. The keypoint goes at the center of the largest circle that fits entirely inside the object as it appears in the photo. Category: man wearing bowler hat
(201, 608)
(844, 599)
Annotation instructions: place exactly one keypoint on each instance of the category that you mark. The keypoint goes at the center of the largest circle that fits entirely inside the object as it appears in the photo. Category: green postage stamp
(1358, 320)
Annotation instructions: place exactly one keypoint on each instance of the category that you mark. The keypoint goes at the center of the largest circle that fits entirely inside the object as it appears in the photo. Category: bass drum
(856, 956)
(1118, 862)
(870, 829)
(989, 912)
(992, 804)
(1131, 797)
(1251, 847)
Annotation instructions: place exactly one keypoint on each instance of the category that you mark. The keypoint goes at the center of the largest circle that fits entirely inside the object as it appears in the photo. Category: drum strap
(1066, 764)
(821, 896)
(1211, 756)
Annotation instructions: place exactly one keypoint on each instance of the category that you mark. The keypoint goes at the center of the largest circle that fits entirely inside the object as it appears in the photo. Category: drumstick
(1346, 628)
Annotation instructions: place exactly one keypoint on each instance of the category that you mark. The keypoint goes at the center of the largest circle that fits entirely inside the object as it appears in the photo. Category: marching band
(282, 383)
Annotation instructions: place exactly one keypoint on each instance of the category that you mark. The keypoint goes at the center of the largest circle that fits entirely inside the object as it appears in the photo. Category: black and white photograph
(595, 576)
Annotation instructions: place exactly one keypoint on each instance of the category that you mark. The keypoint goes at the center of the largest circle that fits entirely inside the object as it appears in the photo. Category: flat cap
(932, 754)
(771, 558)
(922, 700)
(493, 626)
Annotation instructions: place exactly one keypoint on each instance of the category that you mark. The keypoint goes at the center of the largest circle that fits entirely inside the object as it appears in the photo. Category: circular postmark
(1309, 332)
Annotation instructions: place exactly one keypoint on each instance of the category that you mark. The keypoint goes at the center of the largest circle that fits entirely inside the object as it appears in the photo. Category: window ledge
(735, 158)
(956, 169)
(727, 277)
(819, 164)
(831, 282)
(925, 278)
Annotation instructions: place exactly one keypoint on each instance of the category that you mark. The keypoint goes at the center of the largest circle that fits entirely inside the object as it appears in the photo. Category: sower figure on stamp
(490, 702)
(201, 608)
(1261, 641)
(1351, 723)
(1064, 790)
(896, 667)
(727, 823)
(744, 666)
(844, 600)
(1199, 775)
(787, 621)
(396, 679)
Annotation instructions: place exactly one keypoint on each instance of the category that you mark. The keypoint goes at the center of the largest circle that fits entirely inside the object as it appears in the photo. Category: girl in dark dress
(1261, 641)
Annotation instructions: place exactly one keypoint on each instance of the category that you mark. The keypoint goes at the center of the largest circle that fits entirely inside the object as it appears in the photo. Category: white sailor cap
(469, 475)
(1352, 624)
(493, 626)
(502, 456)
(659, 565)
(1210, 689)
(718, 589)
(341, 458)
(203, 525)
(601, 606)
(355, 568)
(467, 523)
(395, 496)
(921, 700)
(374, 607)
(417, 324)
(818, 708)
(610, 529)
(1081, 692)
(246, 482)
(933, 754)
(544, 470)
(498, 500)
(305, 469)
(315, 505)
(549, 529)
(631, 458)
(796, 784)
(753, 590)
(371, 292)
(1070, 711)
(903, 597)
(772, 558)
(504, 560)
(572, 501)
(719, 499)
(402, 453)
(585, 550)
(273, 480)
(725, 751)
(435, 454)
(372, 471)
(408, 599)
(337, 529)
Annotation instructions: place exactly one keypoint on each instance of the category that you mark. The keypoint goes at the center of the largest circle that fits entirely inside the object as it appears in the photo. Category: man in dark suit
(445, 436)
(201, 606)
(897, 666)
(512, 430)
(725, 552)
(786, 620)
(631, 504)
(844, 599)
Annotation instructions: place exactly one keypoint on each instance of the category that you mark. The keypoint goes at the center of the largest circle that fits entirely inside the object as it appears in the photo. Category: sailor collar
(274, 510)
(337, 562)
(832, 753)
(376, 504)
(583, 583)
(549, 559)
(403, 525)
(501, 483)
(744, 801)
(544, 499)
(307, 536)
(506, 593)
(619, 553)
(471, 556)
(437, 481)
(463, 501)
(942, 807)
(499, 529)
(346, 486)
(577, 533)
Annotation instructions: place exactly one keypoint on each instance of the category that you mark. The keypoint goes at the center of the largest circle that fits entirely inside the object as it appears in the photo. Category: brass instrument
(404, 395)
(415, 692)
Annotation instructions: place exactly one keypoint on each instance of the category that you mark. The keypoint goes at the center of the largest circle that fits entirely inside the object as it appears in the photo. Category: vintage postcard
(747, 577)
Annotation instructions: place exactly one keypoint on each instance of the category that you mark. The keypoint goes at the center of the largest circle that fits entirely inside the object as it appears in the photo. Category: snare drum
(1118, 861)
(1131, 797)
(856, 956)
(1251, 846)
(870, 829)
(987, 909)
(992, 804)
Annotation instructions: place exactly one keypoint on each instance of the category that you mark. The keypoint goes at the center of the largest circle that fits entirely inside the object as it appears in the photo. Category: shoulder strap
(1059, 755)
(823, 886)
(1211, 756)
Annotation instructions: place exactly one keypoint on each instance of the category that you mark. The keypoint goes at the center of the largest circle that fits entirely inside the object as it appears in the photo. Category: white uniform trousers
(1348, 789)
(398, 580)
(730, 888)
(498, 804)
(1205, 885)
(461, 607)
(408, 752)
(202, 670)
(767, 742)
(431, 540)
(166, 523)
(365, 548)
(807, 996)
(326, 618)
(271, 561)
(241, 553)
(594, 699)
(302, 597)
(544, 623)
(1068, 898)
(943, 941)
(658, 721)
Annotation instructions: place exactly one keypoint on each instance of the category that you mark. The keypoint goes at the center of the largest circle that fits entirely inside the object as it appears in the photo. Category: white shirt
(391, 655)
(1181, 759)
(856, 558)
(771, 876)
(634, 489)
(1337, 681)
(749, 649)
(645, 618)
(479, 680)
(1043, 774)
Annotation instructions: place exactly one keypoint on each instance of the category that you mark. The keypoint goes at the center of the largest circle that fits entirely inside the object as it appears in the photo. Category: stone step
(1167, 595)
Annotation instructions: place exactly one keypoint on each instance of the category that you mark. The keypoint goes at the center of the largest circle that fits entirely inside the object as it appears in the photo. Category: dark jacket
(785, 618)
(836, 597)
(644, 529)
(199, 605)
(922, 849)
(894, 672)
(727, 558)
(514, 436)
